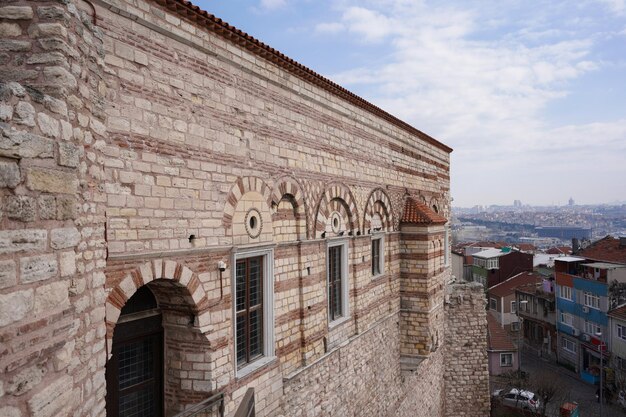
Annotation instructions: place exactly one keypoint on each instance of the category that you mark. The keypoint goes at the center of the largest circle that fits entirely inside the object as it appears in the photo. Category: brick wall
(140, 148)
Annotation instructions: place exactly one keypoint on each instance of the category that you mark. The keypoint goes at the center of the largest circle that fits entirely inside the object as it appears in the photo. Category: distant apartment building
(536, 309)
(588, 284)
(617, 337)
(502, 352)
(503, 305)
(493, 266)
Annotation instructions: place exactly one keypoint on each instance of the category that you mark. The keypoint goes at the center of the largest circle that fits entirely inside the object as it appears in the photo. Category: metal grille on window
(249, 306)
(137, 379)
(375, 256)
(334, 283)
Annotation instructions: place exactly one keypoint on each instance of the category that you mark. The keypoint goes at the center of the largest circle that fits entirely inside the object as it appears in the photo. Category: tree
(548, 390)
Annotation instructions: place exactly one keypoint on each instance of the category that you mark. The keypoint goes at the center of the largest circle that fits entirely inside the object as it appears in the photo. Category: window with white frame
(506, 359)
(591, 300)
(480, 279)
(565, 292)
(567, 319)
(592, 328)
(493, 304)
(568, 345)
(515, 326)
(514, 307)
(378, 256)
(337, 280)
(253, 307)
(620, 331)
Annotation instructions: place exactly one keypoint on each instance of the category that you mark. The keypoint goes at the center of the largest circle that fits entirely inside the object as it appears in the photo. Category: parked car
(515, 398)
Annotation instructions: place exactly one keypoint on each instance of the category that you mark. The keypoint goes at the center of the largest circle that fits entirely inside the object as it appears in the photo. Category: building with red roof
(502, 352)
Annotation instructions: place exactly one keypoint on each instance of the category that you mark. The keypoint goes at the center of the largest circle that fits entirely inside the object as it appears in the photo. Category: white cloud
(332, 28)
(616, 6)
(273, 4)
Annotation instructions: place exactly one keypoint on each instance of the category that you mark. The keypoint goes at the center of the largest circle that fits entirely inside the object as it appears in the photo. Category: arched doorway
(134, 373)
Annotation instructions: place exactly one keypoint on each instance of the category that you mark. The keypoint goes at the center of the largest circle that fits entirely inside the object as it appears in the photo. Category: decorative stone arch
(434, 205)
(337, 197)
(378, 203)
(288, 187)
(146, 273)
(242, 186)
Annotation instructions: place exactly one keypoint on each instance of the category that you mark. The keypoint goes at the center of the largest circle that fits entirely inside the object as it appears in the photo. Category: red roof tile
(607, 249)
(558, 250)
(619, 312)
(419, 213)
(508, 287)
(525, 246)
(195, 14)
(498, 338)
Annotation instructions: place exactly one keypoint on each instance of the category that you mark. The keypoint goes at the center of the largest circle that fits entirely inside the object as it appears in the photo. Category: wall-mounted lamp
(221, 265)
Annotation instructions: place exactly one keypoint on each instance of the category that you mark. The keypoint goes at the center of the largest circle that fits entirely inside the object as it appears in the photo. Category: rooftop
(492, 253)
(416, 212)
(497, 337)
(618, 313)
(556, 250)
(607, 249)
(508, 287)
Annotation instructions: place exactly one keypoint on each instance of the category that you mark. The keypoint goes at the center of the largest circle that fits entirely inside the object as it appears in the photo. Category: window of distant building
(591, 300)
(506, 359)
(515, 326)
(568, 345)
(337, 279)
(513, 307)
(378, 256)
(621, 331)
(567, 319)
(591, 328)
(565, 292)
(493, 304)
(254, 300)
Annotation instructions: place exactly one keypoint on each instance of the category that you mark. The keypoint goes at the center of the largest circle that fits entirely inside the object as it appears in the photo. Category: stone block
(10, 29)
(52, 58)
(51, 181)
(38, 268)
(15, 306)
(26, 379)
(10, 412)
(51, 297)
(55, 105)
(64, 238)
(59, 77)
(24, 145)
(12, 241)
(25, 113)
(8, 274)
(10, 45)
(47, 207)
(39, 30)
(9, 174)
(20, 207)
(53, 399)
(16, 12)
(67, 208)
(6, 112)
(48, 125)
(68, 154)
(67, 263)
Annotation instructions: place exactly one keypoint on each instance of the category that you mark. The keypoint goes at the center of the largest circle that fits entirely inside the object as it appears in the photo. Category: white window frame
(503, 362)
(565, 292)
(513, 307)
(591, 300)
(493, 304)
(567, 319)
(345, 296)
(592, 328)
(620, 331)
(564, 345)
(268, 307)
(381, 256)
(515, 326)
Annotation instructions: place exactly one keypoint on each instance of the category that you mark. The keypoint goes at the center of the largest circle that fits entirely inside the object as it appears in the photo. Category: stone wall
(137, 144)
(52, 249)
(466, 369)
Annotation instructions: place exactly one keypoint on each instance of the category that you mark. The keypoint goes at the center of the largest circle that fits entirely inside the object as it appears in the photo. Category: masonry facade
(182, 200)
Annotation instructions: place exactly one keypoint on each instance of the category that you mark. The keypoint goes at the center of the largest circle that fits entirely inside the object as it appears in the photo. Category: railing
(206, 408)
(246, 408)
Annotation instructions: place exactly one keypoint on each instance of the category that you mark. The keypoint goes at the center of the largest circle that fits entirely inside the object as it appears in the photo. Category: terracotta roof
(607, 249)
(416, 212)
(195, 14)
(619, 312)
(525, 246)
(508, 287)
(557, 250)
(497, 337)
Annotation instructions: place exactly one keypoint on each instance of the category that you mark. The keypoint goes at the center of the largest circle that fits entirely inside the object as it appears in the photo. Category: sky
(531, 95)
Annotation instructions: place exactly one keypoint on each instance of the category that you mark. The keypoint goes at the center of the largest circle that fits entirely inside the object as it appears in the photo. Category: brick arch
(289, 186)
(340, 194)
(145, 274)
(379, 203)
(434, 202)
(242, 186)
